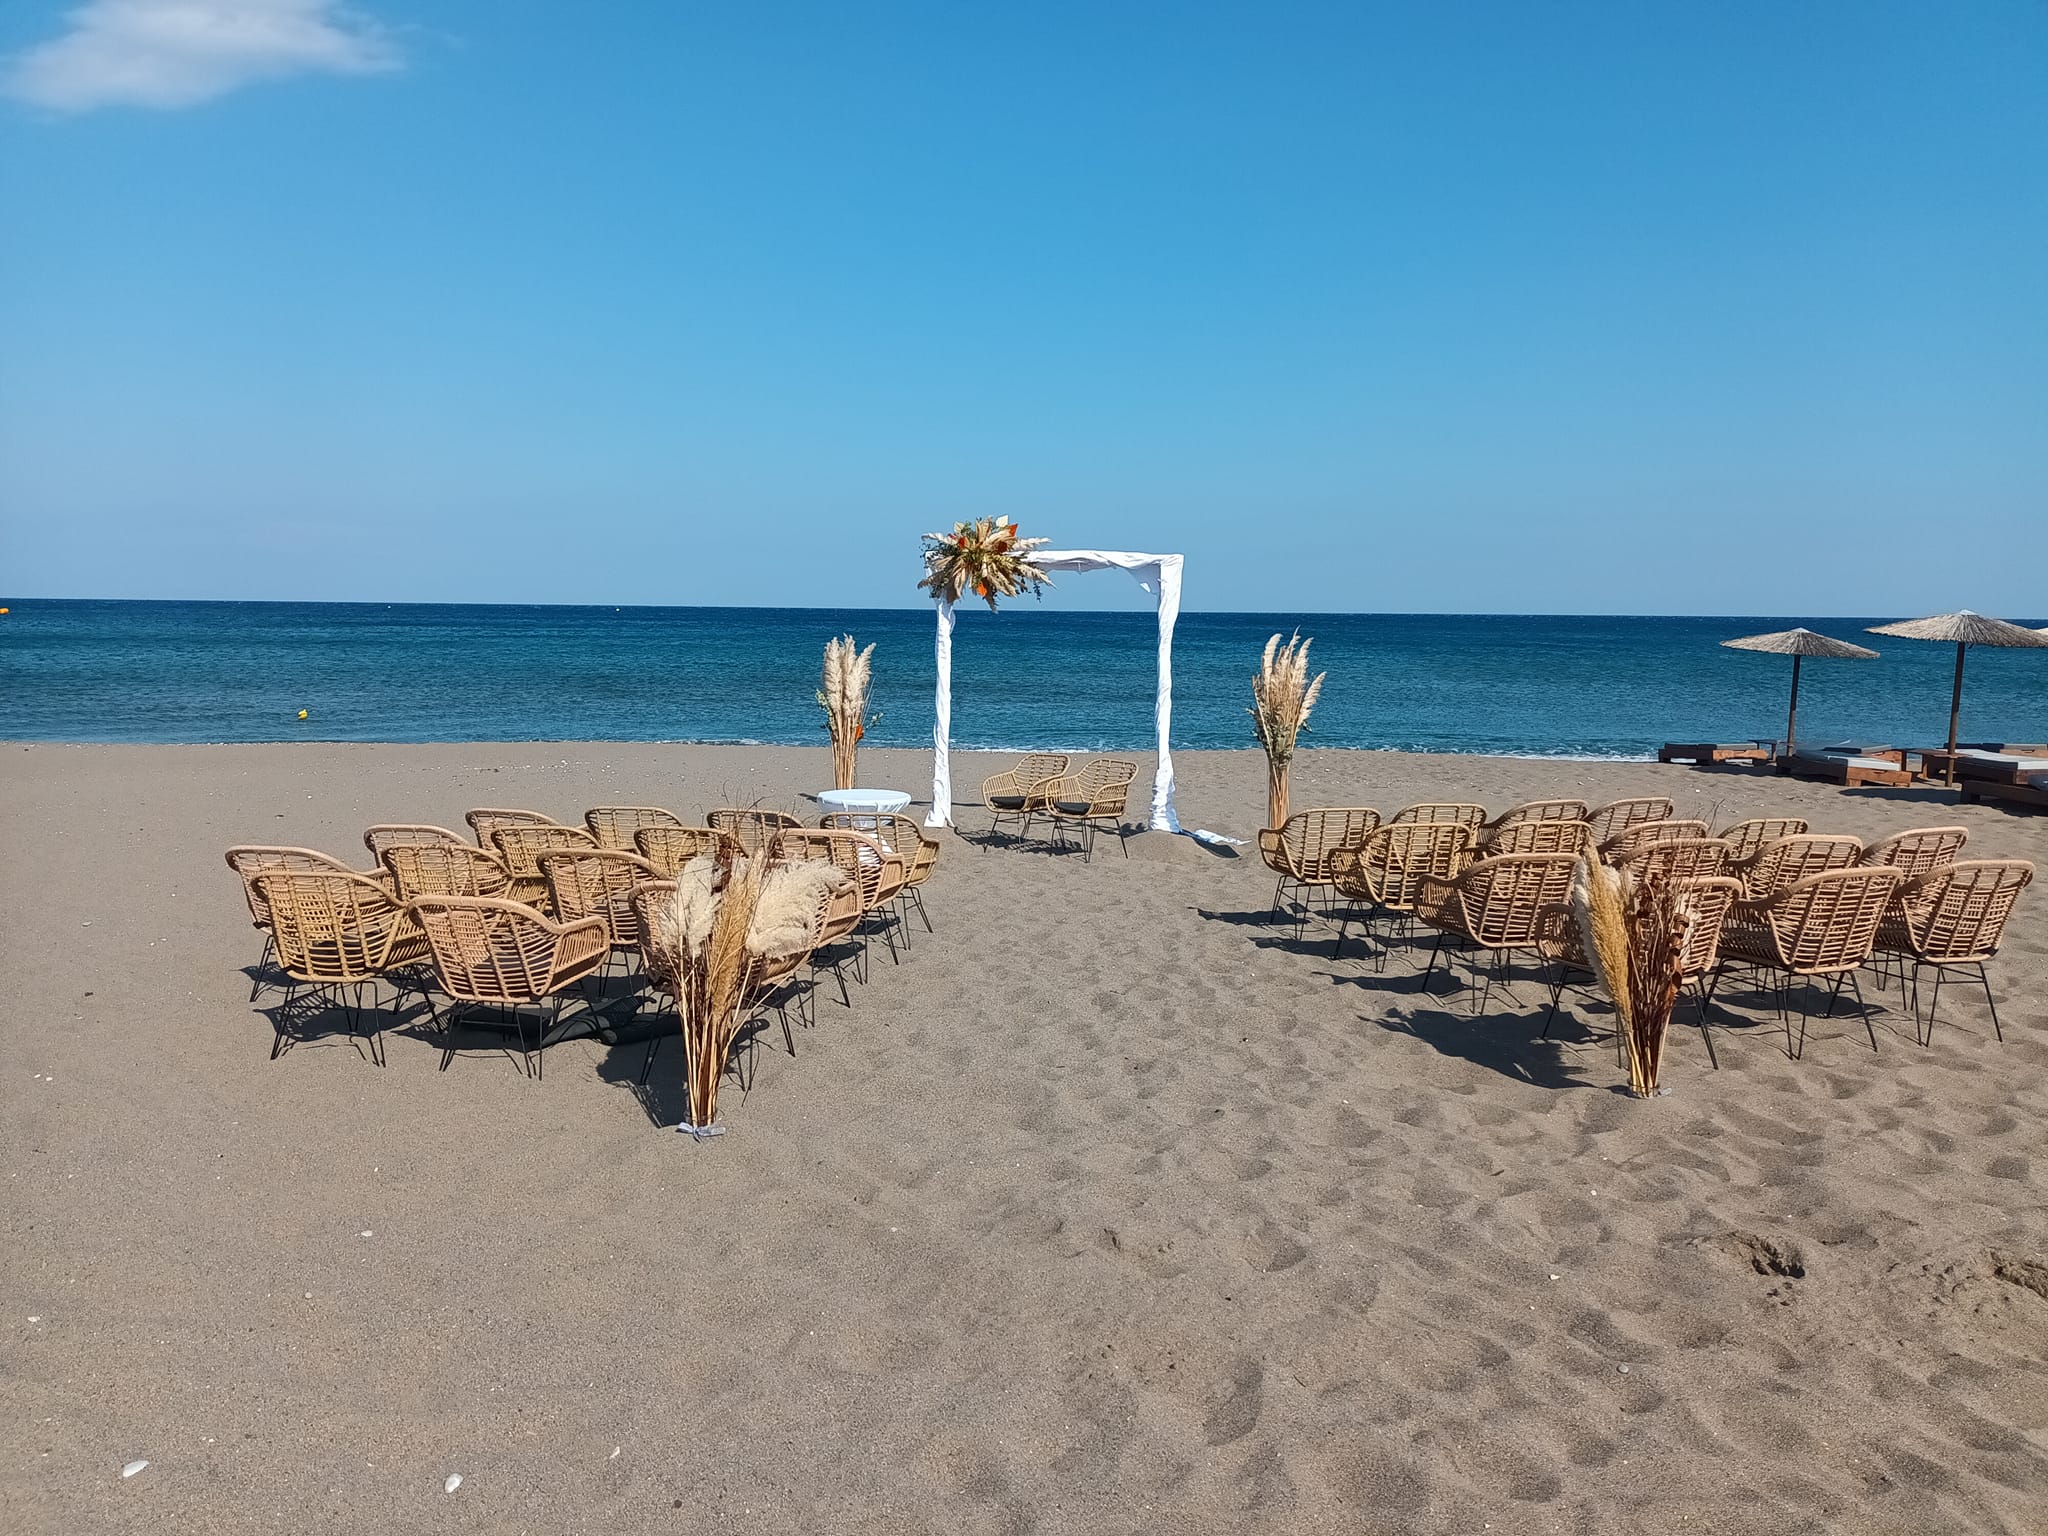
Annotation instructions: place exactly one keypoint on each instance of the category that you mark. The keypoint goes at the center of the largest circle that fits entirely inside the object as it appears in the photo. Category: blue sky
(1520, 307)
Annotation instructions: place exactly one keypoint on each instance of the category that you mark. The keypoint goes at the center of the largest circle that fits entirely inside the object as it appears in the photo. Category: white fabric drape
(1158, 574)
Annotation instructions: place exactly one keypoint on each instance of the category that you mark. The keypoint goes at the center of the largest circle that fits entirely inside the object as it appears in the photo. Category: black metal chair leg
(1701, 995)
(1989, 1002)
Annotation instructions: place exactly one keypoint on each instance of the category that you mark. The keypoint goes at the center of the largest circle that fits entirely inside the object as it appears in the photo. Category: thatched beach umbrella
(1962, 630)
(1799, 644)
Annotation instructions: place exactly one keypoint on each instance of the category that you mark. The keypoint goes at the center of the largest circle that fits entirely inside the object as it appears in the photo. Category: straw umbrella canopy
(1799, 644)
(1962, 630)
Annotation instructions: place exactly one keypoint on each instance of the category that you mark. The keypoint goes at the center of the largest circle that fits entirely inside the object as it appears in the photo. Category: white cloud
(175, 53)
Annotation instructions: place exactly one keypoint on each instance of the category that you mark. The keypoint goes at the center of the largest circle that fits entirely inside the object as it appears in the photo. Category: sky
(1520, 307)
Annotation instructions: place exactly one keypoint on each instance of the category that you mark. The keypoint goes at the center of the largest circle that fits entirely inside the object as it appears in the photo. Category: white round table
(881, 802)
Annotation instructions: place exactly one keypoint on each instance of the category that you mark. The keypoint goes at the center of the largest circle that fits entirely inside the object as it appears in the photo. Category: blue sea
(1549, 686)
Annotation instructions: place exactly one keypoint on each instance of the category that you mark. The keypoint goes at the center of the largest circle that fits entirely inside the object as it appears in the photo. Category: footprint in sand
(1764, 1256)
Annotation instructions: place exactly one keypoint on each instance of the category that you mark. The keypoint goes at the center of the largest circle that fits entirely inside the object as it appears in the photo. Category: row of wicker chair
(535, 907)
(1765, 895)
(1077, 802)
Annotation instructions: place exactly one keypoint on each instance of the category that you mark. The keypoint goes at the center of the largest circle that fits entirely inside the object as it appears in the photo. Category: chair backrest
(332, 925)
(445, 869)
(486, 821)
(1618, 816)
(597, 882)
(1036, 767)
(249, 860)
(1791, 859)
(1103, 782)
(492, 951)
(901, 835)
(656, 959)
(522, 844)
(1542, 836)
(1310, 837)
(1957, 913)
(878, 873)
(668, 849)
(1828, 921)
(1703, 902)
(1459, 812)
(1535, 810)
(393, 834)
(1679, 859)
(1747, 838)
(1918, 851)
(754, 830)
(615, 826)
(1504, 897)
(1633, 839)
(1388, 867)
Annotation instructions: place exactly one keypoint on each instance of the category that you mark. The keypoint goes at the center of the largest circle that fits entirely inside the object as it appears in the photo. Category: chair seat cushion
(1007, 802)
(1072, 807)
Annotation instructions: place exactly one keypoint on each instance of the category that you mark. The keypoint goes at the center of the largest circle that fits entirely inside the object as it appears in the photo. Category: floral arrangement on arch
(984, 557)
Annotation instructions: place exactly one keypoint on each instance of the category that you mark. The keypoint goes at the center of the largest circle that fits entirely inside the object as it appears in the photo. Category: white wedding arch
(1157, 574)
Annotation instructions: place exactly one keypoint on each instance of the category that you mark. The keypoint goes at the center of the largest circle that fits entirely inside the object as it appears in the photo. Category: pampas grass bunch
(844, 698)
(1634, 938)
(984, 557)
(1282, 696)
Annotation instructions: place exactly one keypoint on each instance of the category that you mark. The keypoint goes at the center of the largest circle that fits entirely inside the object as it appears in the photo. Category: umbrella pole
(1792, 714)
(1955, 711)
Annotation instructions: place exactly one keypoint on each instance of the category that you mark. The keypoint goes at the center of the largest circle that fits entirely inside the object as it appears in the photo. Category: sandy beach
(1110, 1208)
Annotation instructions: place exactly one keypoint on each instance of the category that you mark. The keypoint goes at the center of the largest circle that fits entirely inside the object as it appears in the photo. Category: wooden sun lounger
(1707, 753)
(2033, 791)
(1852, 771)
(2000, 765)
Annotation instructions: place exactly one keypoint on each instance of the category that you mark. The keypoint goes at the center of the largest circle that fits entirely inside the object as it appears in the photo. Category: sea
(1549, 686)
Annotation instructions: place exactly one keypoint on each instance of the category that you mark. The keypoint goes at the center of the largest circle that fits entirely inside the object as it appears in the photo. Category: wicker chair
(1704, 900)
(338, 933)
(903, 837)
(668, 849)
(520, 845)
(753, 829)
(1386, 870)
(414, 834)
(616, 826)
(1458, 812)
(248, 860)
(1952, 918)
(1019, 792)
(845, 913)
(1820, 926)
(598, 882)
(1919, 851)
(1747, 838)
(1791, 859)
(1617, 816)
(1530, 810)
(1538, 837)
(1644, 833)
(1095, 796)
(445, 869)
(1299, 854)
(485, 822)
(1683, 858)
(1494, 905)
(878, 874)
(507, 956)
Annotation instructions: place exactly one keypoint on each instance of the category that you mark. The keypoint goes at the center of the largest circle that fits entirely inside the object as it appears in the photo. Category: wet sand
(1112, 1207)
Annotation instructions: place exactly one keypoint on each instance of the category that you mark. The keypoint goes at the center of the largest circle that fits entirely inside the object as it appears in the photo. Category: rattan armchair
(1682, 858)
(248, 860)
(1494, 905)
(487, 821)
(1299, 854)
(1541, 836)
(413, 834)
(753, 829)
(1459, 812)
(337, 933)
(1824, 925)
(616, 826)
(521, 844)
(1747, 838)
(1096, 796)
(878, 875)
(445, 869)
(1019, 792)
(1952, 918)
(846, 909)
(668, 849)
(1529, 810)
(1385, 872)
(1622, 844)
(903, 837)
(1791, 859)
(598, 882)
(506, 956)
(1918, 851)
(1617, 816)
